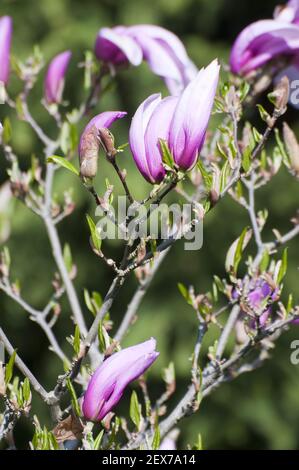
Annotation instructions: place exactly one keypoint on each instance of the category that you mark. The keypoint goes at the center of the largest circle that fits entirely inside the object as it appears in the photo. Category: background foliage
(259, 410)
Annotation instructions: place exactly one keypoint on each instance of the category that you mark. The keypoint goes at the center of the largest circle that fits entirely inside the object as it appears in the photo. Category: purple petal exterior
(180, 121)
(137, 132)
(261, 292)
(5, 44)
(115, 46)
(105, 119)
(151, 123)
(288, 13)
(109, 381)
(158, 128)
(164, 52)
(191, 117)
(165, 55)
(261, 42)
(54, 81)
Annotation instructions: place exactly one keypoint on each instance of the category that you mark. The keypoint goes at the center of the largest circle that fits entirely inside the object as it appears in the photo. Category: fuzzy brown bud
(88, 153)
(106, 139)
(292, 147)
(280, 95)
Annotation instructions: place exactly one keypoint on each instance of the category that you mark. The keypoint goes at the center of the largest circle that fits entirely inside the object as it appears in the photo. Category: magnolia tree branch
(37, 316)
(23, 368)
(210, 382)
(229, 326)
(138, 297)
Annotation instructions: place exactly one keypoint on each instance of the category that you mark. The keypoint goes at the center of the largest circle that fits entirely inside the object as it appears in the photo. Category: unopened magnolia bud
(292, 147)
(90, 141)
(280, 95)
(107, 141)
(89, 150)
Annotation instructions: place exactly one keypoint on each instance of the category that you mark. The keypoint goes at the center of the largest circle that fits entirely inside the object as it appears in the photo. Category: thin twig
(23, 368)
(227, 331)
(138, 297)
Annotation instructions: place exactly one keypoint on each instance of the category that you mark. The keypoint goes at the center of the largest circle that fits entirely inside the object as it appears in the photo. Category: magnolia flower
(54, 81)
(161, 49)
(256, 300)
(89, 143)
(265, 40)
(288, 12)
(180, 121)
(109, 381)
(5, 43)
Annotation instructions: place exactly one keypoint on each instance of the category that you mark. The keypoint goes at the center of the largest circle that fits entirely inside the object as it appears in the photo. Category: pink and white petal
(137, 132)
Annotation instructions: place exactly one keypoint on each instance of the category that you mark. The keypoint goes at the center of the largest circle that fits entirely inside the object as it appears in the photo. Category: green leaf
(166, 153)
(185, 293)
(67, 257)
(244, 90)
(156, 439)
(63, 162)
(225, 170)
(122, 147)
(198, 443)
(76, 342)
(104, 339)
(97, 300)
(246, 159)
(207, 177)
(289, 307)
(9, 367)
(264, 261)
(236, 249)
(7, 131)
(265, 116)
(281, 148)
(283, 266)
(242, 242)
(88, 302)
(135, 410)
(256, 135)
(221, 151)
(98, 440)
(219, 284)
(96, 240)
(75, 402)
(26, 390)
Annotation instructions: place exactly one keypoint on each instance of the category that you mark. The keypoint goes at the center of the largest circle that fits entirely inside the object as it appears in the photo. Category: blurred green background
(258, 410)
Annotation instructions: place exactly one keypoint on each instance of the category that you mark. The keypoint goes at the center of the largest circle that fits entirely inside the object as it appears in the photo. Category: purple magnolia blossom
(89, 141)
(54, 81)
(180, 121)
(261, 291)
(265, 40)
(5, 43)
(258, 297)
(109, 381)
(161, 49)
